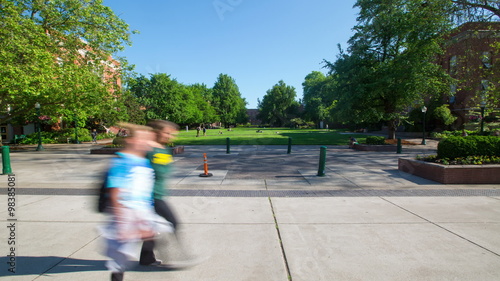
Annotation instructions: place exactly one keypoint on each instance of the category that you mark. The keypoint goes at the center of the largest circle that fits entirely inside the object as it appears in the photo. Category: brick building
(110, 76)
(252, 117)
(470, 58)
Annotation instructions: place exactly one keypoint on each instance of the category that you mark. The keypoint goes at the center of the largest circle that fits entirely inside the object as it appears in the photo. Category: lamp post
(424, 110)
(39, 127)
(483, 106)
(76, 129)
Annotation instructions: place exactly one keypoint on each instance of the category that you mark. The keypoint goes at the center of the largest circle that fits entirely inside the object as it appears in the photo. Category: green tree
(443, 114)
(278, 106)
(227, 100)
(51, 52)
(390, 61)
(318, 96)
(134, 110)
(203, 98)
(165, 99)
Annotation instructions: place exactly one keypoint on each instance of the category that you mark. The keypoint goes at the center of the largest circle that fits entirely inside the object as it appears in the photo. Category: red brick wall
(468, 42)
(469, 174)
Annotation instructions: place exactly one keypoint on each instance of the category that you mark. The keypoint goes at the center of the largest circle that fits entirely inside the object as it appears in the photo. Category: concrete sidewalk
(265, 215)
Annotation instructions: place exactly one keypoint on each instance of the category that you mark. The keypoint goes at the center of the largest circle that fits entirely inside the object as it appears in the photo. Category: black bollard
(228, 146)
(289, 146)
(399, 147)
(322, 162)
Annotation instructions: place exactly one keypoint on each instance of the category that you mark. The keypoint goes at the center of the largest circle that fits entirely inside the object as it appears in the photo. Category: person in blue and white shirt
(130, 182)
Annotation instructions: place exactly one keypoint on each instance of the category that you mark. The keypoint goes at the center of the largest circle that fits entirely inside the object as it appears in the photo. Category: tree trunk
(392, 130)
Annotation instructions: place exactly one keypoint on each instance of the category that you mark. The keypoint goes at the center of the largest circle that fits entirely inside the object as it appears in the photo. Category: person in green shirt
(161, 159)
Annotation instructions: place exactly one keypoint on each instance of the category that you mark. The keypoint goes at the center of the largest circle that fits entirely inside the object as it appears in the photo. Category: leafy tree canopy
(166, 99)
(57, 53)
(278, 106)
(227, 100)
(318, 96)
(390, 60)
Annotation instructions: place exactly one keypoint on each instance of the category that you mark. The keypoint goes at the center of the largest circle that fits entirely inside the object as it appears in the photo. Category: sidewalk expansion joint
(63, 259)
(442, 227)
(287, 267)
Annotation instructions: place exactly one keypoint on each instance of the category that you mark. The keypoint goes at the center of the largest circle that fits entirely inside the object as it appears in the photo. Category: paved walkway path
(264, 215)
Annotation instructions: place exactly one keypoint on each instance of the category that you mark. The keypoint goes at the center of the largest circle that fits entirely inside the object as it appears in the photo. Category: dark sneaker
(155, 263)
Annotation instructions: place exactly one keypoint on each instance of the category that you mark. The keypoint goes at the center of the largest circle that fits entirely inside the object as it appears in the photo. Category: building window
(453, 92)
(453, 65)
(484, 85)
(486, 59)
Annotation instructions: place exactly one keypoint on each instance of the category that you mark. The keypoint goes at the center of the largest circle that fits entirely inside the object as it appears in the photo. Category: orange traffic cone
(205, 167)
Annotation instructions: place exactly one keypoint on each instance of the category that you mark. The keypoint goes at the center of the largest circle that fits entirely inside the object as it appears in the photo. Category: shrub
(119, 141)
(61, 136)
(375, 140)
(114, 146)
(47, 137)
(69, 133)
(443, 113)
(458, 133)
(102, 136)
(469, 160)
(461, 147)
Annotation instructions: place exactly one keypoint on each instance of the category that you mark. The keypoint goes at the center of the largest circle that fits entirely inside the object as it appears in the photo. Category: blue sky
(257, 42)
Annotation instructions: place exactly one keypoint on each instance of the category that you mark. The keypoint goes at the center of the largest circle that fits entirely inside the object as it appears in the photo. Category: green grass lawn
(476, 126)
(269, 136)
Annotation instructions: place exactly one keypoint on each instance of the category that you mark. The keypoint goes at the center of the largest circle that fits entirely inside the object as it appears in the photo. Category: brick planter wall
(451, 174)
(371, 147)
(178, 150)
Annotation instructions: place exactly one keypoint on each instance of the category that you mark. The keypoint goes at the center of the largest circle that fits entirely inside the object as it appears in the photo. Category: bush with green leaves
(114, 146)
(443, 114)
(47, 137)
(469, 160)
(103, 136)
(445, 134)
(375, 140)
(62, 136)
(458, 133)
(119, 141)
(459, 147)
(69, 133)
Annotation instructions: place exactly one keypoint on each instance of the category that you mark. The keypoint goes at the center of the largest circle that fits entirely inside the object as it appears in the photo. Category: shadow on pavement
(30, 265)
(397, 174)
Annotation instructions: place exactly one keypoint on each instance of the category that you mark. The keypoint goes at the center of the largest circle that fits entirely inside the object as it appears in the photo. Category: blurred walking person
(130, 185)
(161, 159)
(94, 136)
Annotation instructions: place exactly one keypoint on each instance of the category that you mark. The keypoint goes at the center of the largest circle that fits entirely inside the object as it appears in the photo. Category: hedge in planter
(374, 140)
(456, 147)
